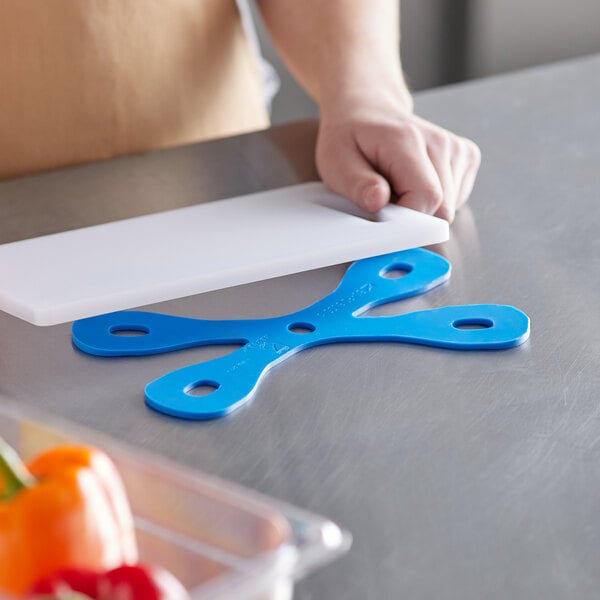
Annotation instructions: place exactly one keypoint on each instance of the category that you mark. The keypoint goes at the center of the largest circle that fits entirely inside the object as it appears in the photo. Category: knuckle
(410, 133)
(440, 139)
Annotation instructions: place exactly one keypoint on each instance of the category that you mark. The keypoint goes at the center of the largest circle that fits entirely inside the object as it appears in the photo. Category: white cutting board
(66, 276)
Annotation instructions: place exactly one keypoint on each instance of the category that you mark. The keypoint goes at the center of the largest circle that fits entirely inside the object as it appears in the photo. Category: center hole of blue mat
(130, 330)
(302, 328)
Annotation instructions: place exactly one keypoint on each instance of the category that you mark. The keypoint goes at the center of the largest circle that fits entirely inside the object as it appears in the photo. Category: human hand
(374, 154)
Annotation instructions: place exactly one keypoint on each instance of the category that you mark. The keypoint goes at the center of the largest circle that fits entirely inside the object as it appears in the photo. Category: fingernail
(371, 198)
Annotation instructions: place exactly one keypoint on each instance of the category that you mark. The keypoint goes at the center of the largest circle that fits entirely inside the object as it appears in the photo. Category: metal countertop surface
(462, 475)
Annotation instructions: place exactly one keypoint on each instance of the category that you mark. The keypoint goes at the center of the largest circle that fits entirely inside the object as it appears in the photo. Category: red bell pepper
(127, 582)
(65, 596)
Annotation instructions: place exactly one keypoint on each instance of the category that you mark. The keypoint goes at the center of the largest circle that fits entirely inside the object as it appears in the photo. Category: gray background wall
(510, 34)
(445, 41)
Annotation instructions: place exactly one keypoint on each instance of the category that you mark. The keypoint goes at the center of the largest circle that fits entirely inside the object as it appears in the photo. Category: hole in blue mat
(473, 323)
(396, 271)
(129, 330)
(302, 328)
(202, 388)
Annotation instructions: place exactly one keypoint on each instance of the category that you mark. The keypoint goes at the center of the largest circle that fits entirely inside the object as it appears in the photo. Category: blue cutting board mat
(339, 317)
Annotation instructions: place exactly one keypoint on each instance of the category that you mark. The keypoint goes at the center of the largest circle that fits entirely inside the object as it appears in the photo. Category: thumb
(349, 174)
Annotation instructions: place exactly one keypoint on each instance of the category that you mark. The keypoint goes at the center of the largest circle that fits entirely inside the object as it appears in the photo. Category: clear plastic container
(222, 541)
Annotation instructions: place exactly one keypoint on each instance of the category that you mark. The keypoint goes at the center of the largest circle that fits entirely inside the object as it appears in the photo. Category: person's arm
(371, 147)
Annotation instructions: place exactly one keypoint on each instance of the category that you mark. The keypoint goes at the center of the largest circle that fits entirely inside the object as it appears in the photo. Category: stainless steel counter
(461, 475)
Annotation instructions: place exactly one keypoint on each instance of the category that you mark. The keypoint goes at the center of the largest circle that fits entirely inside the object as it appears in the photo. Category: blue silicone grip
(232, 379)
(235, 377)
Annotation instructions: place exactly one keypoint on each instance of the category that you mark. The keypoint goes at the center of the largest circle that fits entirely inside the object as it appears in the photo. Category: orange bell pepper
(66, 508)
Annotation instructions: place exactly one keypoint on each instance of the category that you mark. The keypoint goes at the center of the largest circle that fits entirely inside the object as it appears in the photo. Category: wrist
(360, 101)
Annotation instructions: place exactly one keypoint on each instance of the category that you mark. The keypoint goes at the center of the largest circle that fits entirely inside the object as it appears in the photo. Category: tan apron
(82, 80)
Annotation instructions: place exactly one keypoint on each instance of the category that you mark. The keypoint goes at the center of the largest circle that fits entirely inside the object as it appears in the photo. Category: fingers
(346, 171)
(454, 161)
(473, 161)
(424, 166)
(403, 156)
(448, 161)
